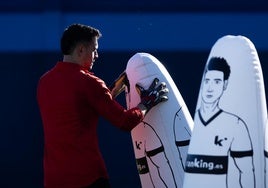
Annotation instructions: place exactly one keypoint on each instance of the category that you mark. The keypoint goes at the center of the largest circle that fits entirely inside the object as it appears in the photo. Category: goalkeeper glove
(153, 95)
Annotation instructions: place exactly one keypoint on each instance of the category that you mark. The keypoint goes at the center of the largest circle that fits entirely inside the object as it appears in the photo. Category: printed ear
(225, 85)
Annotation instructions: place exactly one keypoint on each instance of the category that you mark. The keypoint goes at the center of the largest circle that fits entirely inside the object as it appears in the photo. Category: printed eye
(217, 81)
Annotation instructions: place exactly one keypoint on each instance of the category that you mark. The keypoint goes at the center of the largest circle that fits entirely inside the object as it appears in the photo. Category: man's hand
(153, 95)
(119, 85)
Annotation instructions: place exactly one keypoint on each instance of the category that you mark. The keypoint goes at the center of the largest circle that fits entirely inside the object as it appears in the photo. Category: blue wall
(180, 35)
(133, 6)
(132, 31)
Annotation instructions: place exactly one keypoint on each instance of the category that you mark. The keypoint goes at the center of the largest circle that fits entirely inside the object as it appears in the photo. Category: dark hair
(219, 64)
(75, 34)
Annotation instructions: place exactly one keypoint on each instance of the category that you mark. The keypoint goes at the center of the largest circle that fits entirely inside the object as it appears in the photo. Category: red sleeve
(101, 99)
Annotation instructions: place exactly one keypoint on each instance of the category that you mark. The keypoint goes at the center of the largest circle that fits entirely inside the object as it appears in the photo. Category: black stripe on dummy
(266, 153)
(155, 151)
(239, 154)
(182, 143)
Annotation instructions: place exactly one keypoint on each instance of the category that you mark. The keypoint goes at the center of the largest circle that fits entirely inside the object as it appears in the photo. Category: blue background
(179, 33)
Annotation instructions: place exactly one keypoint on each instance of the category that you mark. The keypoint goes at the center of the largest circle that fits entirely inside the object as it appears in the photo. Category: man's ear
(79, 49)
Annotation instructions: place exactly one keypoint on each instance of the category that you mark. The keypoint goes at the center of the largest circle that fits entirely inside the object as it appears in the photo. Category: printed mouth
(209, 96)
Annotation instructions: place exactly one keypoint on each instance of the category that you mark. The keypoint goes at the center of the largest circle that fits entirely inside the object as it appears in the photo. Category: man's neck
(70, 59)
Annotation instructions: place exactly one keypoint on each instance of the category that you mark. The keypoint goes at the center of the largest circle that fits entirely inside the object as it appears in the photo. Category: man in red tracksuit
(71, 99)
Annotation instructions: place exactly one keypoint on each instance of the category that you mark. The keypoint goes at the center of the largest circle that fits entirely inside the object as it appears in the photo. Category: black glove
(153, 95)
(119, 84)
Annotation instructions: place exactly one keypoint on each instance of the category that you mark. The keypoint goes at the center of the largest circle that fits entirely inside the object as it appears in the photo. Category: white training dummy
(227, 144)
(161, 141)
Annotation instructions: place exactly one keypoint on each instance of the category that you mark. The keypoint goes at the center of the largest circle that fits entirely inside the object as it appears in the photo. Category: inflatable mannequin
(227, 143)
(161, 141)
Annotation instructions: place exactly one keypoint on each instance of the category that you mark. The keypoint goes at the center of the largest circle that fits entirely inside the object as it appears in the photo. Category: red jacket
(71, 100)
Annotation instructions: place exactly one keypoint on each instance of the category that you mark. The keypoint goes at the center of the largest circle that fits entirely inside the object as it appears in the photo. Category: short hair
(219, 64)
(75, 34)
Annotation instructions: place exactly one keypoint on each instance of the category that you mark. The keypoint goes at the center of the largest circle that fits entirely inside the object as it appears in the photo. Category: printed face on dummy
(90, 54)
(213, 86)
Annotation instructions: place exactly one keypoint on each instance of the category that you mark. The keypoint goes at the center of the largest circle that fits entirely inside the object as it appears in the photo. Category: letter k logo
(138, 145)
(218, 141)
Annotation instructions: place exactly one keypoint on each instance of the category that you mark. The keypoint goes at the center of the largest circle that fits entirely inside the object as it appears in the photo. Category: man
(71, 99)
(219, 134)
